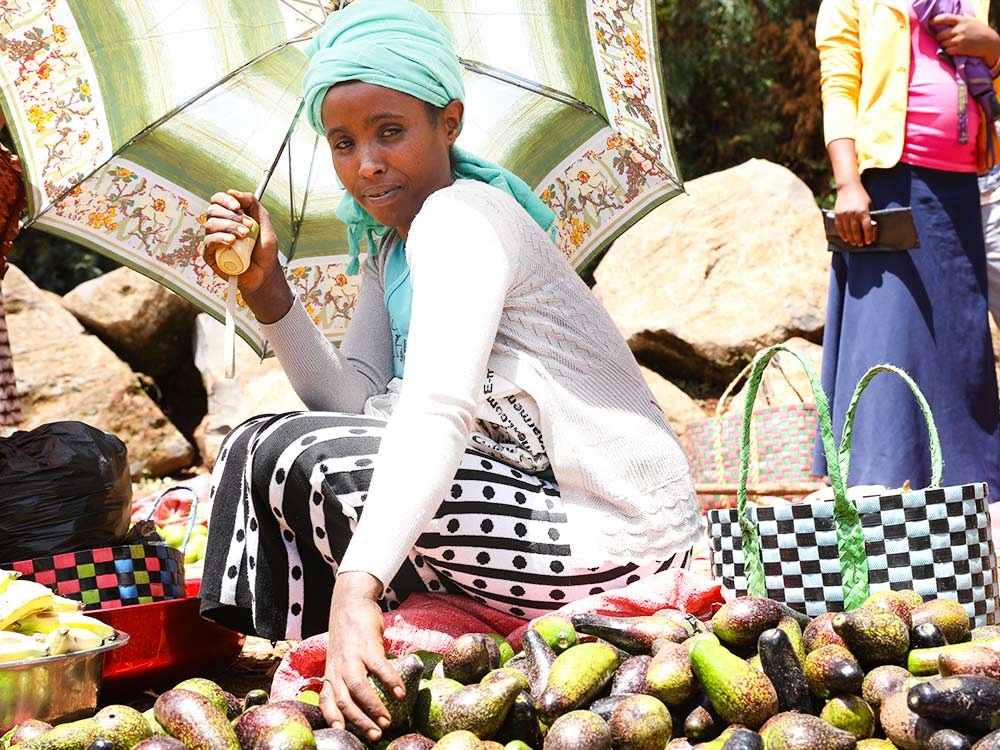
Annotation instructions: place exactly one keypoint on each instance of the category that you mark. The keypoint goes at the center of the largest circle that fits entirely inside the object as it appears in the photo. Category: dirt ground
(253, 669)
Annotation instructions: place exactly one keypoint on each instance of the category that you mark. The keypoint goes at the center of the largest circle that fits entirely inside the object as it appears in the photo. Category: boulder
(258, 387)
(64, 373)
(707, 279)
(785, 381)
(146, 324)
(678, 407)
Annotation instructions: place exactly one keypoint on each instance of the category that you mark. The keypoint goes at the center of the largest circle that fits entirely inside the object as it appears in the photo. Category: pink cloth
(431, 621)
(932, 108)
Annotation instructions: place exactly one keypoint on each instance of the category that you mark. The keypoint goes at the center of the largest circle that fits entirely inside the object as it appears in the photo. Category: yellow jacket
(873, 35)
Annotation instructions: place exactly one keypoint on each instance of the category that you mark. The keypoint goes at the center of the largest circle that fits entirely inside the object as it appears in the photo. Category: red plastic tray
(170, 641)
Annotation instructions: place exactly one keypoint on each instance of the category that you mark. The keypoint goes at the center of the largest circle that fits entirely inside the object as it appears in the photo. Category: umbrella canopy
(129, 114)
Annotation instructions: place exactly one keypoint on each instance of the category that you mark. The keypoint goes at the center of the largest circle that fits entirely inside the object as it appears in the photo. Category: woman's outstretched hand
(263, 284)
(355, 649)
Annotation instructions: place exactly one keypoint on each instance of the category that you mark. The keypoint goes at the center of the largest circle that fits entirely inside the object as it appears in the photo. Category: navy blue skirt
(924, 311)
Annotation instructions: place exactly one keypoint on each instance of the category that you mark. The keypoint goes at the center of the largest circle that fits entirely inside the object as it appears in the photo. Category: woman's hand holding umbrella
(262, 284)
(965, 35)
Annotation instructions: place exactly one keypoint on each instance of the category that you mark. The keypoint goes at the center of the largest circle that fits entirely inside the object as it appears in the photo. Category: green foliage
(742, 79)
(55, 264)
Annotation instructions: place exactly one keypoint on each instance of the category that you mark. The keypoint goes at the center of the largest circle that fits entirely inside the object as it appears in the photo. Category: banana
(57, 642)
(6, 577)
(65, 604)
(15, 647)
(78, 639)
(46, 622)
(21, 599)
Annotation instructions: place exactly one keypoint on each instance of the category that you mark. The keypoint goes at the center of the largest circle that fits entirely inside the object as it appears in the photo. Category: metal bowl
(53, 688)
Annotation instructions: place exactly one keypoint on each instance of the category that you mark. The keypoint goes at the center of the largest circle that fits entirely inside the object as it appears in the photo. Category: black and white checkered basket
(935, 541)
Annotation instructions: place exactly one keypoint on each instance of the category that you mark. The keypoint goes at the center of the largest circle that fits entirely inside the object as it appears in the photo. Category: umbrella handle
(229, 354)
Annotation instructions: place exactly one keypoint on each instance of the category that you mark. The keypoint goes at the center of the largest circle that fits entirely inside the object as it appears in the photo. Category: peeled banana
(65, 604)
(23, 598)
(6, 577)
(47, 622)
(16, 646)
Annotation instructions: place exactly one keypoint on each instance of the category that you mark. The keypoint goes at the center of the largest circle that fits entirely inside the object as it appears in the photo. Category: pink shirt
(932, 107)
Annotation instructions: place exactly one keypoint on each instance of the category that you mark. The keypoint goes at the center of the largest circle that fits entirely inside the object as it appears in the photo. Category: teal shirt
(398, 298)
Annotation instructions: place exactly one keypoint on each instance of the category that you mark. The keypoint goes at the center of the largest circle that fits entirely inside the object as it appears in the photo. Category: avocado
(669, 676)
(948, 615)
(876, 744)
(630, 677)
(576, 676)
(956, 698)
(160, 743)
(313, 714)
(460, 740)
(194, 720)
(539, 657)
(506, 673)
(480, 709)
(948, 739)
(634, 635)
(469, 657)
(605, 705)
(738, 623)
(431, 660)
(122, 725)
(739, 693)
(256, 697)
(505, 649)
(903, 727)
(556, 630)
(791, 627)
(640, 722)
(780, 662)
(411, 741)
(26, 730)
(893, 601)
(970, 660)
(927, 635)
(101, 743)
(820, 632)
(289, 736)
(426, 713)
(832, 669)
(209, 689)
(154, 725)
(989, 742)
(924, 661)
(410, 669)
(336, 739)
(734, 737)
(791, 730)
(578, 730)
(850, 713)
(881, 682)
(521, 722)
(701, 724)
(253, 724)
(874, 635)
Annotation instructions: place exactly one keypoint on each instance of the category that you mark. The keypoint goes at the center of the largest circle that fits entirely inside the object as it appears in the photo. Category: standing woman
(897, 136)
(525, 463)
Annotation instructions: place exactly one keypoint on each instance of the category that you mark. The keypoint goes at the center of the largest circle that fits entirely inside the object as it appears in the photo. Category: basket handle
(192, 514)
(937, 462)
(850, 538)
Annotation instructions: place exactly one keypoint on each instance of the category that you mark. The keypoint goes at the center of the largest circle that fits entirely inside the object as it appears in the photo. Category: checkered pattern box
(111, 577)
(934, 541)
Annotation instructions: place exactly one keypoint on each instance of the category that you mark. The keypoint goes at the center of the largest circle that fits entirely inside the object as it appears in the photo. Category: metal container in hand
(53, 688)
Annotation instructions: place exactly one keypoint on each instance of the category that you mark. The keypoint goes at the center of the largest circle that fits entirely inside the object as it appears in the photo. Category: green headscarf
(398, 45)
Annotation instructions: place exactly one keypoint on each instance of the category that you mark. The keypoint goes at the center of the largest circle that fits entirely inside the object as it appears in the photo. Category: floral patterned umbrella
(129, 114)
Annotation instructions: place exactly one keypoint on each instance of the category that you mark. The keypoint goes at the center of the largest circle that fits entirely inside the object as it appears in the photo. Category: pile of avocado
(897, 672)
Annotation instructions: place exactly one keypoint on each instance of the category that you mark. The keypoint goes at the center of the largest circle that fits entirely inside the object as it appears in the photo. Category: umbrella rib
(529, 85)
(155, 124)
(305, 15)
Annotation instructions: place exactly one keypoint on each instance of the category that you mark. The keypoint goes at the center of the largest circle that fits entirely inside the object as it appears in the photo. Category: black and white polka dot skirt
(287, 492)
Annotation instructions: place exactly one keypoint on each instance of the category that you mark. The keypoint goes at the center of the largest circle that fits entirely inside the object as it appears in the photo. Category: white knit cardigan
(491, 291)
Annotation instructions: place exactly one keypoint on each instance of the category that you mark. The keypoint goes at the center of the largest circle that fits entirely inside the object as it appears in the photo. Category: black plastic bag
(64, 487)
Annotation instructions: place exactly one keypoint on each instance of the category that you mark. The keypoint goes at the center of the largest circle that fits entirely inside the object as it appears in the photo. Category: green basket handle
(850, 538)
(937, 462)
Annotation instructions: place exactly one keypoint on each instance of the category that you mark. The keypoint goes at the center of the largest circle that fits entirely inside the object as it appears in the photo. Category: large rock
(258, 387)
(709, 278)
(785, 381)
(63, 373)
(678, 407)
(145, 323)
